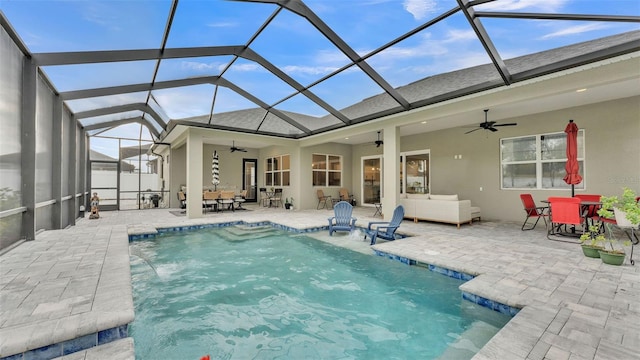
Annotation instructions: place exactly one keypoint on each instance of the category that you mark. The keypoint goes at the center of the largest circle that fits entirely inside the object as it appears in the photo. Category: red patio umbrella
(572, 167)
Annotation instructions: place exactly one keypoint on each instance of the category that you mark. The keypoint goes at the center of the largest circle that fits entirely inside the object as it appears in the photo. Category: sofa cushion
(417, 196)
(444, 197)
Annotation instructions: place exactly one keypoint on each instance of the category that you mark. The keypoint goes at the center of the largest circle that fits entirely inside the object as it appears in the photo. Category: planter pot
(612, 258)
(621, 218)
(288, 206)
(591, 251)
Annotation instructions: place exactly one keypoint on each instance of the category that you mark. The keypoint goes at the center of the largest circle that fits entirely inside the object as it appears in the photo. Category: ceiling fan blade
(507, 124)
(470, 131)
(234, 148)
(492, 129)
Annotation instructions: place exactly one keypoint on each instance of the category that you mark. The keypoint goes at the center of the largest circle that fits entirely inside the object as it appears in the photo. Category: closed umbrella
(572, 167)
(215, 171)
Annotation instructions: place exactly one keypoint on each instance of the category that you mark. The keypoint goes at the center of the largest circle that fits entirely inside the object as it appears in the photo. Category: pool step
(243, 233)
(469, 342)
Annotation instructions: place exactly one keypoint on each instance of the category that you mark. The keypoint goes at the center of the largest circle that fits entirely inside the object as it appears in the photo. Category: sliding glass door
(371, 179)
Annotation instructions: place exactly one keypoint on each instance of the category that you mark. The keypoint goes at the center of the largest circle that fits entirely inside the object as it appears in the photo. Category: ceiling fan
(234, 148)
(489, 125)
(378, 142)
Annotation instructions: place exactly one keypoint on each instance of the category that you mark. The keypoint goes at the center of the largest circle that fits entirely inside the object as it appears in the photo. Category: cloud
(309, 70)
(106, 101)
(200, 66)
(510, 5)
(101, 14)
(184, 104)
(456, 35)
(222, 24)
(247, 67)
(578, 29)
(429, 46)
(420, 9)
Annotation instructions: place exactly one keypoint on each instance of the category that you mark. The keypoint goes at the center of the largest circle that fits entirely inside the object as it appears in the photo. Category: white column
(391, 173)
(194, 175)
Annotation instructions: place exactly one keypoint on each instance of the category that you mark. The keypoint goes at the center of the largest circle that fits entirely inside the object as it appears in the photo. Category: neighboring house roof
(109, 162)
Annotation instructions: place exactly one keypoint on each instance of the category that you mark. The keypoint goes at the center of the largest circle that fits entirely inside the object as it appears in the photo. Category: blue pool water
(261, 293)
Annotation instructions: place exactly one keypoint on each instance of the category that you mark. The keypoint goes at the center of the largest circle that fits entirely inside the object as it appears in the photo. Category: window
(327, 170)
(537, 161)
(415, 165)
(278, 171)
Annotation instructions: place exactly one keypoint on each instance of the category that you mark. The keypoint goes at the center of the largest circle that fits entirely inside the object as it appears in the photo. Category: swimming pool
(262, 293)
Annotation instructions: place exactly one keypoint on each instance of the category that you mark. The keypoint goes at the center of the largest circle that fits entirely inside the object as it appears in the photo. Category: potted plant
(627, 211)
(614, 255)
(592, 241)
(288, 204)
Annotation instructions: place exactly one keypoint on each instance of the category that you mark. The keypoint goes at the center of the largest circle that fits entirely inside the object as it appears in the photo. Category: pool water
(261, 293)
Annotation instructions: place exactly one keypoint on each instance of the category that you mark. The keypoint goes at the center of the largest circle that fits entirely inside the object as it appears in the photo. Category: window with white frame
(538, 161)
(327, 170)
(415, 172)
(278, 171)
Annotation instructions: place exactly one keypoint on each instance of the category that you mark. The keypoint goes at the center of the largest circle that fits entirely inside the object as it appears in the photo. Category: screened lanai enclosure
(90, 90)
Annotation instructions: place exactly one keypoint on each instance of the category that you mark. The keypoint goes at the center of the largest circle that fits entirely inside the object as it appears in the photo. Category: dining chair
(276, 199)
(565, 213)
(590, 212)
(227, 199)
(533, 211)
(240, 199)
(264, 198)
(210, 200)
(182, 199)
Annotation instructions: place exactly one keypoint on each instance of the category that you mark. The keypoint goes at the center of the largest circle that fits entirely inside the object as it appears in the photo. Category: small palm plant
(593, 237)
(592, 241)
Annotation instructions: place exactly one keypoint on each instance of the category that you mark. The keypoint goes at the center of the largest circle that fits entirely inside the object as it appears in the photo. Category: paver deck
(75, 284)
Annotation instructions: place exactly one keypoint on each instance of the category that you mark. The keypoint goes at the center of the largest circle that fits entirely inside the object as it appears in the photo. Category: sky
(290, 42)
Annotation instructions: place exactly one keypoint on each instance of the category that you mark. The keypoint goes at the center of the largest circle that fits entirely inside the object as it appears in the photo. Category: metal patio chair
(533, 211)
(323, 199)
